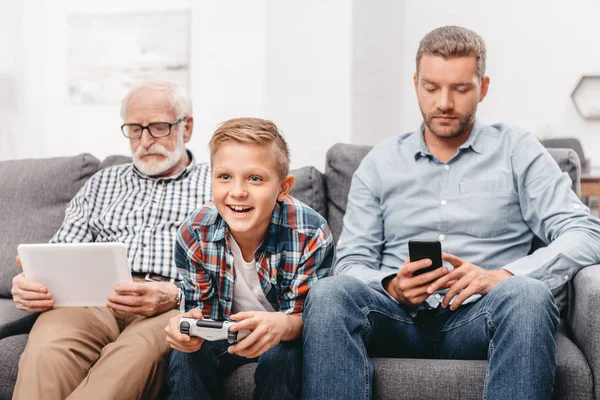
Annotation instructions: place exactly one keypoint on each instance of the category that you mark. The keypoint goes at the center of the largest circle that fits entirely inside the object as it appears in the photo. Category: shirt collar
(474, 141)
(182, 174)
(419, 148)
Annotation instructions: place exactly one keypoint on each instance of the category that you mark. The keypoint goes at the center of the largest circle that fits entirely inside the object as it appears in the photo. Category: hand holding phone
(408, 286)
(421, 249)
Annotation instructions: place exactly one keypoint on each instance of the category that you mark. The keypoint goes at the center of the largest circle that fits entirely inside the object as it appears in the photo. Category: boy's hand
(180, 341)
(268, 329)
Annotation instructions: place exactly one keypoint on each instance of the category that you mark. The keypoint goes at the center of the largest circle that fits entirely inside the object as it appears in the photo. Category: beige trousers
(94, 353)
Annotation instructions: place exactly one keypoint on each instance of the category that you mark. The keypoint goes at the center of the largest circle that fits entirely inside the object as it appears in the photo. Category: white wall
(537, 51)
(226, 59)
(308, 75)
(325, 71)
(378, 75)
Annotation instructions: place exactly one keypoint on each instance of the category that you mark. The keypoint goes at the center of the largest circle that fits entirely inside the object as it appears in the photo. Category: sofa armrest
(13, 321)
(584, 319)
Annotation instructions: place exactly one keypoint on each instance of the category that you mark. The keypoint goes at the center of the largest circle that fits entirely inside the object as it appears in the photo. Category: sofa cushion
(10, 349)
(342, 161)
(111, 161)
(14, 321)
(34, 195)
(407, 378)
(310, 188)
(574, 378)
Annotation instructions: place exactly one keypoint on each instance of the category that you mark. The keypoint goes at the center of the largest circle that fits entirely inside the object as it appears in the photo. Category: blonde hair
(177, 95)
(451, 42)
(253, 131)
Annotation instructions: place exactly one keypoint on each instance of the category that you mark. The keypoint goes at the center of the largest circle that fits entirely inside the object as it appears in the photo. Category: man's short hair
(451, 42)
(253, 131)
(177, 95)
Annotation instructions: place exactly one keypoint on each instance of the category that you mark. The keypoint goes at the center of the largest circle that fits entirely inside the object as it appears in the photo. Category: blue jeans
(346, 322)
(200, 375)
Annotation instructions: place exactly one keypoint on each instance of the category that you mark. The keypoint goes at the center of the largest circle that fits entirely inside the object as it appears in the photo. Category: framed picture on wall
(108, 53)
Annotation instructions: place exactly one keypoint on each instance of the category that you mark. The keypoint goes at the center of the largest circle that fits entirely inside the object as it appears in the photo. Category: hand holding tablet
(76, 274)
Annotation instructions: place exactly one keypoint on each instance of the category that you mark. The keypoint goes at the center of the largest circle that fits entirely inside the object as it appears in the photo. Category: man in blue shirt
(484, 192)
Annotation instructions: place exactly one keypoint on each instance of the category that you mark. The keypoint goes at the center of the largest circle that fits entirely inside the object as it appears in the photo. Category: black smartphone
(420, 249)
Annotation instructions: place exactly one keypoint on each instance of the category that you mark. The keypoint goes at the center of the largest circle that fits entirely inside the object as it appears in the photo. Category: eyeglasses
(155, 129)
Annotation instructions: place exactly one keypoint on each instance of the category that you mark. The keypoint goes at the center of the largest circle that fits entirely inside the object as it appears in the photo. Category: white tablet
(77, 274)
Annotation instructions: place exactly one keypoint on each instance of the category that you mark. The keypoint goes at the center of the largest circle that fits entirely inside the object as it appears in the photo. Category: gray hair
(454, 41)
(178, 97)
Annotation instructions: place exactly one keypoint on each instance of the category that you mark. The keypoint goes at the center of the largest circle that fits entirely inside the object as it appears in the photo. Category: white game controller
(211, 330)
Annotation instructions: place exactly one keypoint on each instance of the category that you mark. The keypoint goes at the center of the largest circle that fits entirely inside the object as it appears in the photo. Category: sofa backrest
(33, 197)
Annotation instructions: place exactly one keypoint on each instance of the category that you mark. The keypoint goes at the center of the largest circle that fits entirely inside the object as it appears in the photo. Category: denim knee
(284, 355)
(279, 372)
(527, 290)
(527, 298)
(333, 295)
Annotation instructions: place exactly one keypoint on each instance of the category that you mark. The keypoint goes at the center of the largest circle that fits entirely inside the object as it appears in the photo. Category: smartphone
(420, 249)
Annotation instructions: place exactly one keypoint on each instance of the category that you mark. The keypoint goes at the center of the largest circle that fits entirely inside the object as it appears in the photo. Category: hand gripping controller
(209, 329)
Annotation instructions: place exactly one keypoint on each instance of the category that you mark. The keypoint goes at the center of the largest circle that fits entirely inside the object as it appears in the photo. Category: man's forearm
(169, 294)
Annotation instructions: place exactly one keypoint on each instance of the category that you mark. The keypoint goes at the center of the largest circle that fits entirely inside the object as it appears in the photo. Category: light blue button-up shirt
(484, 205)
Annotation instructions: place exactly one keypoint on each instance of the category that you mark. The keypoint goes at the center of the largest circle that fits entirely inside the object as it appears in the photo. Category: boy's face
(245, 186)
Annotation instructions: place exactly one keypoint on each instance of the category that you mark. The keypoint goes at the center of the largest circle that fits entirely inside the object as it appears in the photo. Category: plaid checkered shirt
(120, 204)
(296, 251)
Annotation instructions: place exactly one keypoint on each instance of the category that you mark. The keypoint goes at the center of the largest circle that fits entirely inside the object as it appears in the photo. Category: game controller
(209, 329)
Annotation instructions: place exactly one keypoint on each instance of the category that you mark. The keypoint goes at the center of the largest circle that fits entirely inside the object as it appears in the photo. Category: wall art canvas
(108, 53)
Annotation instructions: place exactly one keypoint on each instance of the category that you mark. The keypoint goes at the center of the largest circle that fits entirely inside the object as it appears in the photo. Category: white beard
(157, 166)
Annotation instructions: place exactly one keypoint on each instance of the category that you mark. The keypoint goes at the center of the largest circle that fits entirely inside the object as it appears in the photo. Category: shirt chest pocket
(483, 207)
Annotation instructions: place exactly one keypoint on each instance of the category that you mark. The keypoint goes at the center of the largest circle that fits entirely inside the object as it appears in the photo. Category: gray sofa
(34, 195)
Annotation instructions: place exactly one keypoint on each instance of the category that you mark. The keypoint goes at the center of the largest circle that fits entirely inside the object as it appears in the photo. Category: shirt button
(441, 237)
(443, 202)
(437, 296)
(446, 167)
(566, 277)
(576, 206)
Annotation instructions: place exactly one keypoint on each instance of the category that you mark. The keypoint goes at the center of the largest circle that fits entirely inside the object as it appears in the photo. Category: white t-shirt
(247, 292)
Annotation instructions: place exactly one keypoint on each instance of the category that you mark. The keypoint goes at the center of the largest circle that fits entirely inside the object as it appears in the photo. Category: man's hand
(180, 341)
(466, 278)
(30, 296)
(147, 299)
(268, 329)
(412, 290)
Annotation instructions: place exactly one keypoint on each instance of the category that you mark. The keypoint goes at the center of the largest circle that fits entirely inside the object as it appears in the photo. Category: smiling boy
(250, 256)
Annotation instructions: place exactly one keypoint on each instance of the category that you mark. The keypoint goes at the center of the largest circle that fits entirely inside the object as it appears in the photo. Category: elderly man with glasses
(119, 351)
